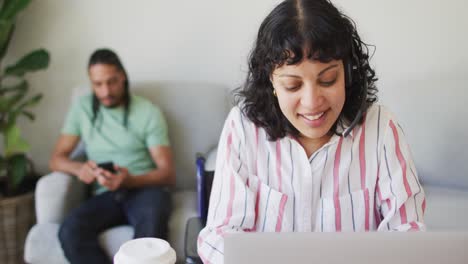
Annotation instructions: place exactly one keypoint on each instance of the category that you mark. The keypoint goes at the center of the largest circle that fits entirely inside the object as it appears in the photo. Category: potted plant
(16, 173)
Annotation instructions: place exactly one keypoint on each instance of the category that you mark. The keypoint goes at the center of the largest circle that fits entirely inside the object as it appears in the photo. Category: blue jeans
(146, 209)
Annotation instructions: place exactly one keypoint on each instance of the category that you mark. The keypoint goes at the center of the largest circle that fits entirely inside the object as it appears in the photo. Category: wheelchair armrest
(205, 173)
(201, 183)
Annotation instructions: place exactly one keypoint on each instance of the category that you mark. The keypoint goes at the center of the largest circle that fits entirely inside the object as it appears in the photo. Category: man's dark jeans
(146, 209)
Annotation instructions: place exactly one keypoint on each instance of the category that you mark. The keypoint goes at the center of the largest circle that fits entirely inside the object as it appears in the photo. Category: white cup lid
(145, 251)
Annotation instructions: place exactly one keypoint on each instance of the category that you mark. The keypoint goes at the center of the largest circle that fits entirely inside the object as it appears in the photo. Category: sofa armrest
(56, 194)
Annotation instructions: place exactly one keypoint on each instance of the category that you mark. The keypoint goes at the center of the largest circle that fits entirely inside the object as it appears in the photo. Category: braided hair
(109, 57)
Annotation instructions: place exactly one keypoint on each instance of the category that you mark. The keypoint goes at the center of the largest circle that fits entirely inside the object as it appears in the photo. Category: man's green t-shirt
(107, 139)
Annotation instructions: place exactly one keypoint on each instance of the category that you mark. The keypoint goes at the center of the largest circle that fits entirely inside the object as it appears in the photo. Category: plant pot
(17, 216)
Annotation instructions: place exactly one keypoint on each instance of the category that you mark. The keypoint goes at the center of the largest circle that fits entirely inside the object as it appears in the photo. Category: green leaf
(6, 31)
(11, 119)
(7, 103)
(4, 102)
(12, 115)
(22, 86)
(12, 7)
(29, 115)
(17, 169)
(3, 127)
(30, 102)
(14, 144)
(34, 61)
(2, 164)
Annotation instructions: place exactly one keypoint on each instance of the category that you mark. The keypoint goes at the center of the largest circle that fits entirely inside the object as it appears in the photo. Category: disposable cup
(145, 251)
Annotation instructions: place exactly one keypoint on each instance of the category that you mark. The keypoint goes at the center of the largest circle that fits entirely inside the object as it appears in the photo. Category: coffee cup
(145, 250)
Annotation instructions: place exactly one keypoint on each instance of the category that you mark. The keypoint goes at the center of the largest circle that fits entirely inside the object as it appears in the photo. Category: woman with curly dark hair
(306, 149)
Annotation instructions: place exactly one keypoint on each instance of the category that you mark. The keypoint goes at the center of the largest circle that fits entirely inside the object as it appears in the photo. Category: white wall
(421, 59)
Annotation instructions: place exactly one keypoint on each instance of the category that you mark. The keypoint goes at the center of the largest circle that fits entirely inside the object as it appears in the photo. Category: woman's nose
(311, 96)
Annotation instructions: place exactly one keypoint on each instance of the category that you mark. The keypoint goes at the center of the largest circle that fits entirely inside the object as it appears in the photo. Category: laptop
(359, 248)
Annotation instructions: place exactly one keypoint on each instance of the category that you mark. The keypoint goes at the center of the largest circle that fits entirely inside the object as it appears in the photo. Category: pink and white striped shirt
(363, 182)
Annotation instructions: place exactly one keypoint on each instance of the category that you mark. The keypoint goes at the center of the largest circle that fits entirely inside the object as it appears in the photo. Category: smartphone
(108, 166)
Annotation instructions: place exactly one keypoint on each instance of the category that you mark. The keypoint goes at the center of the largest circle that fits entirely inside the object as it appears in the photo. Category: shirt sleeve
(156, 130)
(400, 196)
(71, 125)
(231, 207)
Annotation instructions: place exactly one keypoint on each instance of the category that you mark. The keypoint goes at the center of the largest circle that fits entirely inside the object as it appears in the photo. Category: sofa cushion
(43, 246)
(113, 238)
(185, 207)
(195, 120)
(447, 209)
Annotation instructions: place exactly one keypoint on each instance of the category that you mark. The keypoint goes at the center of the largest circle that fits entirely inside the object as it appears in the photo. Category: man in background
(129, 163)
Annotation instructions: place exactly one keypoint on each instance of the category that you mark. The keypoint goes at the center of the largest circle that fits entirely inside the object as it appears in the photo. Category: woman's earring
(274, 92)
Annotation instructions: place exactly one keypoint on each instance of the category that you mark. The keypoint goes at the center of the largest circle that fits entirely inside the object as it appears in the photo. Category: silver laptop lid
(359, 248)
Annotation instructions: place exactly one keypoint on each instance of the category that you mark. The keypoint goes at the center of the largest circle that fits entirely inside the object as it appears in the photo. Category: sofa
(195, 113)
(447, 208)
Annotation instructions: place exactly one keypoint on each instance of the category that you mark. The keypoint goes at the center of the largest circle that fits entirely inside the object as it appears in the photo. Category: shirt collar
(333, 140)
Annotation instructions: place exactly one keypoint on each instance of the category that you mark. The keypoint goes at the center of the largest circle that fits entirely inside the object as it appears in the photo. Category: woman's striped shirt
(363, 182)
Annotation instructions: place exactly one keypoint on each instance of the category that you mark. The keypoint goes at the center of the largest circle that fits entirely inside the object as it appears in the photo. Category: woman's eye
(327, 84)
(292, 87)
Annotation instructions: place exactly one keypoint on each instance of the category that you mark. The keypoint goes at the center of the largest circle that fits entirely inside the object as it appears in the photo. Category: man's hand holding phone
(111, 176)
(86, 172)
